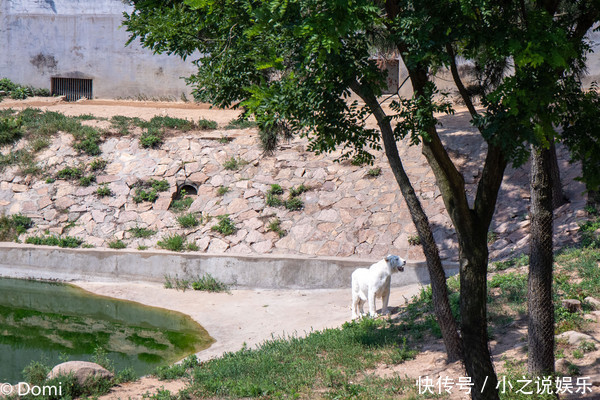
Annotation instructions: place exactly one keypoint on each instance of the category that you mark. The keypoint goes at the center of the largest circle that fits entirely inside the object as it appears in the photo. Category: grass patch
(273, 200)
(12, 226)
(374, 172)
(188, 220)
(295, 192)
(69, 173)
(414, 240)
(323, 361)
(233, 164)
(117, 244)
(139, 232)
(172, 242)
(10, 130)
(148, 191)
(294, 204)
(98, 164)
(87, 180)
(181, 204)
(206, 124)
(225, 226)
(240, 124)
(518, 261)
(208, 283)
(275, 226)
(50, 240)
(222, 190)
(103, 190)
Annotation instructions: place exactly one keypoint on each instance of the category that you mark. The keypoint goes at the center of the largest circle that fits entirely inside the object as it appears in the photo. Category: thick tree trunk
(437, 275)
(539, 296)
(593, 199)
(471, 227)
(473, 312)
(558, 197)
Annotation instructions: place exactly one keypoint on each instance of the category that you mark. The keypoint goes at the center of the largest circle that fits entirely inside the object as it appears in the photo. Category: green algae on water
(48, 321)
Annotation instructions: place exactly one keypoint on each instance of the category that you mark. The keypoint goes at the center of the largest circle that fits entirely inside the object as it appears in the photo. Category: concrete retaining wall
(268, 272)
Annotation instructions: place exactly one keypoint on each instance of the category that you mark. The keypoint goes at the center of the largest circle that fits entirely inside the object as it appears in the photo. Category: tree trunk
(558, 197)
(539, 294)
(473, 312)
(437, 274)
(593, 199)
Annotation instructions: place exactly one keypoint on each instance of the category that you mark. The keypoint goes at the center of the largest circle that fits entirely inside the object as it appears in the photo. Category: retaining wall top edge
(150, 253)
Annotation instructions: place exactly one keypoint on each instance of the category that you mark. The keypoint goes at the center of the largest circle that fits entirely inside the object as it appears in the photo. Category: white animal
(368, 283)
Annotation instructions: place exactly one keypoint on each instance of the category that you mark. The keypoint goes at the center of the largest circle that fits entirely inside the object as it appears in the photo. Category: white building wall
(40, 39)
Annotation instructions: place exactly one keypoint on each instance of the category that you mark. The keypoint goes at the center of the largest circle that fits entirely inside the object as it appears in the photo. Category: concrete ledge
(265, 272)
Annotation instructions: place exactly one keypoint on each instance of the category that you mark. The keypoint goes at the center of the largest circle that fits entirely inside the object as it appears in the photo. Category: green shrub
(87, 180)
(294, 192)
(66, 241)
(151, 139)
(208, 283)
(103, 190)
(19, 93)
(10, 130)
(233, 164)
(21, 223)
(98, 164)
(192, 247)
(139, 232)
(225, 226)
(69, 173)
(294, 204)
(414, 240)
(172, 242)
(159, 186)
(188, 220)
(374, 172)
(273, 200)
(170, 122)
(117, 244)
(181, 204)
(142, 247)
(206, 125)
(222, 190)
(122, 124)
(142, 195)
(275, 226)
(275, 189)
(87, 140)
(240, 124)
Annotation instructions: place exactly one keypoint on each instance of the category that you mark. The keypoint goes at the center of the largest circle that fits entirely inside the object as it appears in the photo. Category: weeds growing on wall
(14, 225)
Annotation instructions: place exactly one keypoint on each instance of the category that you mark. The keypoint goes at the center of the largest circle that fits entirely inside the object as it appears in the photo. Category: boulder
(572, 305)
(562, 366)
(574, 338)
(594, 303)
(81, 370)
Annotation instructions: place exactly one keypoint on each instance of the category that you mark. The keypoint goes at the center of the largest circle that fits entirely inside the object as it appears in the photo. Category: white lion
(368, 283)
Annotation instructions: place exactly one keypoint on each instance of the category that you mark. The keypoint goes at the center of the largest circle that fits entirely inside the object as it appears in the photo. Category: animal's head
(396, 263)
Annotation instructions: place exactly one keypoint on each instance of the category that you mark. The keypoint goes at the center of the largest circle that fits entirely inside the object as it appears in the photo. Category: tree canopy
(294, 64)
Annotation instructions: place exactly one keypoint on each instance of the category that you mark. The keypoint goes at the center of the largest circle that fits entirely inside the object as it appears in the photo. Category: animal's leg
(355, 303)
(372, 311)
(385, 297)
(361, 303)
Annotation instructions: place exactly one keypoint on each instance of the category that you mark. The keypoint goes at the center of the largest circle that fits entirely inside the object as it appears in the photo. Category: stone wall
(347, 212)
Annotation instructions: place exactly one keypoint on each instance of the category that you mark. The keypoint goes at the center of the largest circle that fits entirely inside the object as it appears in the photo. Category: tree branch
(458, 82)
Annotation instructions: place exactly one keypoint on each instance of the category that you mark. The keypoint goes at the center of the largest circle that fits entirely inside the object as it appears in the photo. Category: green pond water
(47, 321)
